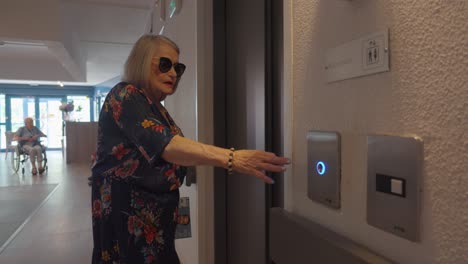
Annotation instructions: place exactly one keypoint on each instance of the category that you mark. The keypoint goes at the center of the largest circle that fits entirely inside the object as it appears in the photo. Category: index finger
(279, 160)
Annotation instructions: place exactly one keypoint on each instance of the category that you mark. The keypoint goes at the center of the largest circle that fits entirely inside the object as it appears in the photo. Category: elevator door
(245, 75)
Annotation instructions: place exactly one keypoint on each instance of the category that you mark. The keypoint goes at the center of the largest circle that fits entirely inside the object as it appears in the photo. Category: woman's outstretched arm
(187, 152)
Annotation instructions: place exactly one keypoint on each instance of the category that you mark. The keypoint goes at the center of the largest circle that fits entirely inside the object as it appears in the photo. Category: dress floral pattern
(135, 193)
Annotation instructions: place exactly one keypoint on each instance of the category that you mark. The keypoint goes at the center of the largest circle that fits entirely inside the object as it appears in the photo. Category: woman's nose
(172, 72)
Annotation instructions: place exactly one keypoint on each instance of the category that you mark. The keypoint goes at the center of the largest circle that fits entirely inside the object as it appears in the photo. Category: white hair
(137, 68)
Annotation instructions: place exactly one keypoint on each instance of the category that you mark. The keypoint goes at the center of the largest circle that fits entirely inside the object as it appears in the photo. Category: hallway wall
(425, 94)
(192, 109)
(182, 105)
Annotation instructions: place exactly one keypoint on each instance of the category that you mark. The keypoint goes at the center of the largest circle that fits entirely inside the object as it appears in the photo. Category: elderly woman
(141, 157)
(28, 137)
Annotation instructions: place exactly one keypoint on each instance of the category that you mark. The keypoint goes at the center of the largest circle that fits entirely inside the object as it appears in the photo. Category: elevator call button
(321, 168)
(324, 169)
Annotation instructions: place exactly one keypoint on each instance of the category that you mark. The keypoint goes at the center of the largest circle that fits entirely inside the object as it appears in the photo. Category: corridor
(59, 230)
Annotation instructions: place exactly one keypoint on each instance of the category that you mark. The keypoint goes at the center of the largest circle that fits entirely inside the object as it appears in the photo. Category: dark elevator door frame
(247, 114)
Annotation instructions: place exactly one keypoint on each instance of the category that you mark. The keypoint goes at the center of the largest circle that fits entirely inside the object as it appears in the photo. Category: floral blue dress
(135, 193)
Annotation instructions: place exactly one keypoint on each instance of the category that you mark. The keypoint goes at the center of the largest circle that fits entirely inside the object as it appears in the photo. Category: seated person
(28, 137)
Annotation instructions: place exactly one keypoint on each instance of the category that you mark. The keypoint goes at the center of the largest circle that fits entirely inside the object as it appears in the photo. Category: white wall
(425, 94)
(182, 107)
(191, 108)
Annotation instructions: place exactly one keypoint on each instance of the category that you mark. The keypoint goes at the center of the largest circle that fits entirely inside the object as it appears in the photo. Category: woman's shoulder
(124, 89)
(124, 86)
(20, 130)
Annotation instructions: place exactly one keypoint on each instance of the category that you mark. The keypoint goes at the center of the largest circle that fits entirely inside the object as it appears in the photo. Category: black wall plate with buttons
(391, 185)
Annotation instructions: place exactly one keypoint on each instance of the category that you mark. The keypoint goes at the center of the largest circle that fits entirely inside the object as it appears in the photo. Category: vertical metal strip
(220, 128)
(277, 106)
(268, 119)
(273, 113)
(37, 113)
(8, 112)
(91, 104)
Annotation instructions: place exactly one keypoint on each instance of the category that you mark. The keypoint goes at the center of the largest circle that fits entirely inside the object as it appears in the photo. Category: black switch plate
(383, 183)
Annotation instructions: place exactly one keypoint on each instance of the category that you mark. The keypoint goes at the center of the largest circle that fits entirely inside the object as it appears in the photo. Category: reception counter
(81, 141)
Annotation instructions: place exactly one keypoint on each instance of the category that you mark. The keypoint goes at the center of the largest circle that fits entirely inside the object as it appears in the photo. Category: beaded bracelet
(231, 158)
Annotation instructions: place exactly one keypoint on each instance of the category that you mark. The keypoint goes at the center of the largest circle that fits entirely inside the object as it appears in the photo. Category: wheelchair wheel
(44, 161)
(15, 160)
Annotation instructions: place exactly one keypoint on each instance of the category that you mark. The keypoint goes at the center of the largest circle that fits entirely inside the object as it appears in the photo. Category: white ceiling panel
(103, 33)
(105, 61)
(102, 23)
(143, 4)
(26, 62)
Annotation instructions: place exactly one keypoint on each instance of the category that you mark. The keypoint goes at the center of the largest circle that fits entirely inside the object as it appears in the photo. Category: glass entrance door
(21, 107)
(50, 118)
(45, 112)
(2, 121)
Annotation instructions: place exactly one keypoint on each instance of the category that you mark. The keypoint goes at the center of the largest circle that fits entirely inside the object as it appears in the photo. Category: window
(82, 108)
(2, 109)
(2, 121)
(100, 98)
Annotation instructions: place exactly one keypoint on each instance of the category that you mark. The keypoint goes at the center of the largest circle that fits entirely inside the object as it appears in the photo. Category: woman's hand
(186, 152)
(256, 162)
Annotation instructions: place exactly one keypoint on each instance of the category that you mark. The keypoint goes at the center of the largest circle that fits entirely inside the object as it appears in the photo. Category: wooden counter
(81, 141)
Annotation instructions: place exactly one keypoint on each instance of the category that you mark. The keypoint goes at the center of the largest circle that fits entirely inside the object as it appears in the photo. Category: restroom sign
(372, 52)
(359, 57)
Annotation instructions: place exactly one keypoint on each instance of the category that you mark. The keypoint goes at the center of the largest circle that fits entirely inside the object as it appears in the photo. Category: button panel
(394, 175)
(324, 167)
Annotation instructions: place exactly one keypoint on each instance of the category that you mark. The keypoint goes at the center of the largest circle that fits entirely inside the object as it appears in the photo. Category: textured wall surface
(425, 94)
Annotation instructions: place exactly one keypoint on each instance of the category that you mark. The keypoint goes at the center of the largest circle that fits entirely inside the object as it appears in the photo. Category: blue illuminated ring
(321, 168)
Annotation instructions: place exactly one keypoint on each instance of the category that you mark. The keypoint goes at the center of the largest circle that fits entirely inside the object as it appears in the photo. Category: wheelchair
(19, 156)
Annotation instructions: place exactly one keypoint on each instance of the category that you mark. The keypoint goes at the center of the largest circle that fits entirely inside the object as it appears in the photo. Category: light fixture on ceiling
(161, 6)
(60, 83)
(174, 7)
(21, 43)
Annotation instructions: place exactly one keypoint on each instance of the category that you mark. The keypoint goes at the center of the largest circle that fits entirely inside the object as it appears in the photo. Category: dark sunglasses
(165, 65)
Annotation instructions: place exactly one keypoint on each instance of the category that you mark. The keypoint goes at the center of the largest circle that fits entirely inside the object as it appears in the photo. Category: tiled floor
(60, 231)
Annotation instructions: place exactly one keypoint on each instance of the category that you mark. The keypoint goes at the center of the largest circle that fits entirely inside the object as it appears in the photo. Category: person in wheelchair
(28, 140)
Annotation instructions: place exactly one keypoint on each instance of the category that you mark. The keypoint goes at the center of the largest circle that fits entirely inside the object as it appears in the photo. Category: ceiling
(80, 42)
